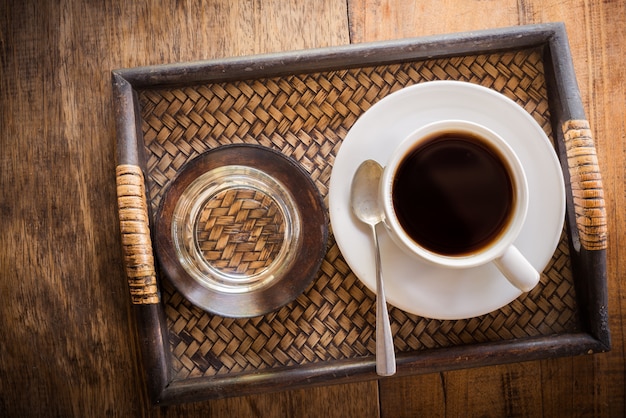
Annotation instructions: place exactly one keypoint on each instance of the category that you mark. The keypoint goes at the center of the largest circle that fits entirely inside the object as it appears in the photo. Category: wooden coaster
(241, 231)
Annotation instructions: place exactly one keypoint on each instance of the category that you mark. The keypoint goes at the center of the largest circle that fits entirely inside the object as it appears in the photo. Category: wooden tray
(303, 103)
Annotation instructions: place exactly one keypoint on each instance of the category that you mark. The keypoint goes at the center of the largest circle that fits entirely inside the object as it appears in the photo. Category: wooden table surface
(67, 342)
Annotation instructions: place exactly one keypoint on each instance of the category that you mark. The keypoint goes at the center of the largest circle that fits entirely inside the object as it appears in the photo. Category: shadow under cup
(455, 194)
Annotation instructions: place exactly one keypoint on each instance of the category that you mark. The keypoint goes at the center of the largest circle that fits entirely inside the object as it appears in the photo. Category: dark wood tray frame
(588, 262)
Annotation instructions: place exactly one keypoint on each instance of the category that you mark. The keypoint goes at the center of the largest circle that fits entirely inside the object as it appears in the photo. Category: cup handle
(518, 271)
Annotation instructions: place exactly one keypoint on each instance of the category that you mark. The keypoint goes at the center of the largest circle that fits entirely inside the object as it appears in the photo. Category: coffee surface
(453, 194)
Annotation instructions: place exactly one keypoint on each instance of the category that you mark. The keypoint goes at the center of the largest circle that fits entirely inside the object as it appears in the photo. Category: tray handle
(586, 184)
(135, 232)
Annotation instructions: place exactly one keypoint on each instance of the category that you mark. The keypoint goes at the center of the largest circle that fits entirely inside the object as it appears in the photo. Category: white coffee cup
(459, 176)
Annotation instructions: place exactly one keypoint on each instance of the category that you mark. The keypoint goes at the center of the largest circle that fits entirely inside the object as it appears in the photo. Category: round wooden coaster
(241, 231)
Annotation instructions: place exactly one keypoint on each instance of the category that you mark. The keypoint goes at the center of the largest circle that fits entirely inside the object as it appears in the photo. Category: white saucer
(413, 285)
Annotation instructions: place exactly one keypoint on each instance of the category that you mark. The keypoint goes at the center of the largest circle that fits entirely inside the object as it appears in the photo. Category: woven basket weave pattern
(306, 117)
(240, 231)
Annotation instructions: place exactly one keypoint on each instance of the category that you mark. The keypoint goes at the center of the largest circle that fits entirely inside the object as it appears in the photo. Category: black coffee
(453, 194)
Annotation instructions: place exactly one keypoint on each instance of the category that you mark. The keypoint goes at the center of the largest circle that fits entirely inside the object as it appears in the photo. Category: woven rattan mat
(306, 116)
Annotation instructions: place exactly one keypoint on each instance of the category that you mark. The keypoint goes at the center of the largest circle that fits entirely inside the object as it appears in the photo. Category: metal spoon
(365, 205)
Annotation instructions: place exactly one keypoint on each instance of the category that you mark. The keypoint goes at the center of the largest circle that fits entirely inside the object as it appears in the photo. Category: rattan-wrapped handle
(135, 230)
(586, 183)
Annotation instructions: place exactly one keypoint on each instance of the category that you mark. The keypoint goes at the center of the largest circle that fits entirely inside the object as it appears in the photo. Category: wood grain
(374, 20)
(67, 339)
(64, 316)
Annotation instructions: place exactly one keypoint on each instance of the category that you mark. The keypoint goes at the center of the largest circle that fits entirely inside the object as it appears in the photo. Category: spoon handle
(385, 356)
